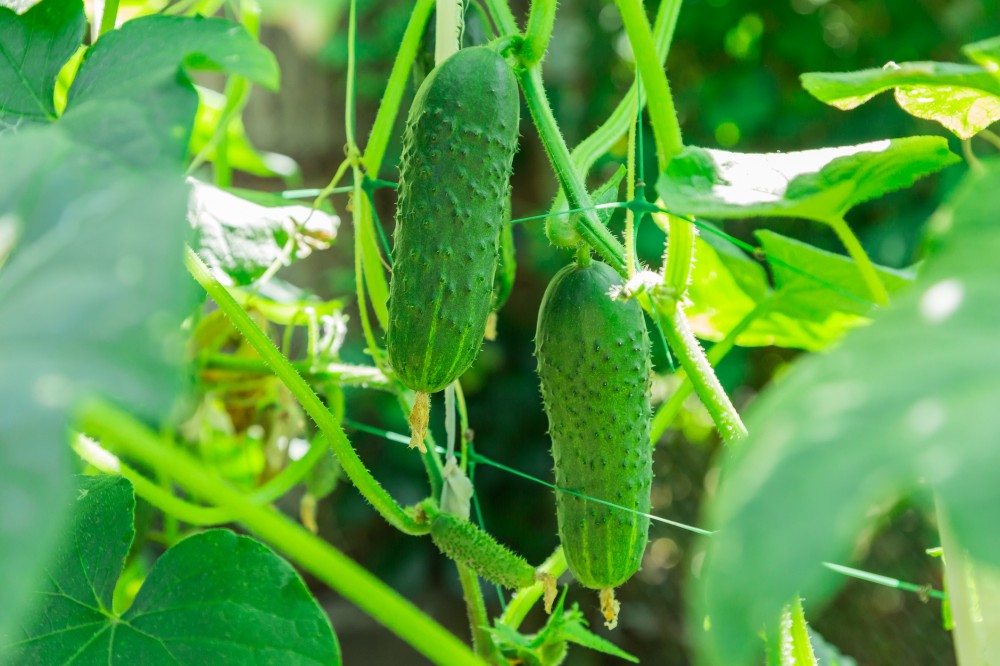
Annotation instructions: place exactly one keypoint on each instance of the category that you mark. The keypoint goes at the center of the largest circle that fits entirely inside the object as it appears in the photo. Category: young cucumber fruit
(594, 365)
(458, 148)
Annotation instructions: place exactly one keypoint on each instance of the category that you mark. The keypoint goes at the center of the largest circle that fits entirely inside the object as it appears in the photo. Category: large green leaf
(213, 598)
(240, 239)
(33, 48)
(819, 295)
(93, 292)
(127, 86)
(820, 184)
(963, 98)
(905, 405)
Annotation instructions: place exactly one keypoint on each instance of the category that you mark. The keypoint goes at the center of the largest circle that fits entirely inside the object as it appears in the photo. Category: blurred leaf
(905, 404)
(814, 184)
(198, 605)
(240, 240)
(963, 98)
(827, 654)
(35, 46)
(985, 53)
(309, 22)
(240, 152)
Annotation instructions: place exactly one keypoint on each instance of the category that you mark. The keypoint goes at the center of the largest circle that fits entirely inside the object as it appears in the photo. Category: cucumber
(503, 281)
(594, 364)
(458, 148)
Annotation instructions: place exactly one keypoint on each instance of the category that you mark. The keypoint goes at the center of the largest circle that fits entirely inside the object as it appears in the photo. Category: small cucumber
(466, 544)
(458, 148)
(594, 364)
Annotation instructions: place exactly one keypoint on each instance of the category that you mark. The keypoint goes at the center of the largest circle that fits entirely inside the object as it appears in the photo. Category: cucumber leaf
(901, 407)
(33, 48)
(965, 99)
(240, 240)
(215, 597)
(814, 184)
(818, 297)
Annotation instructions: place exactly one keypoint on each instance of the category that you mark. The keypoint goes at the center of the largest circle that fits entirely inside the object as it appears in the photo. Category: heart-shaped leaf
(213, 598)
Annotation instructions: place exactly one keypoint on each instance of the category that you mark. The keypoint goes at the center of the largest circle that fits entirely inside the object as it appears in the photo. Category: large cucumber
(458, 148)
(594, 363)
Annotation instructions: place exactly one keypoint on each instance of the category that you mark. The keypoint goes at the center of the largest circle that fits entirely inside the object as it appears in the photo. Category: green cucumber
(594, 364)
(458, 148)
(465, 543)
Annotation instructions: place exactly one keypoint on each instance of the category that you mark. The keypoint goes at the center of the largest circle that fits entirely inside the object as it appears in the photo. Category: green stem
(352, 465)
(662, 114)
(861, 259)
(541, 18)
(668, 411)
(699, 371)
(589, 227)
(349, 116)
(237, 94)
(479, 623)
(310, 552)
(990, 137)
(597, 144)
(500, 12)
(109, 16)
(448, 21)
(526, 598)
(385, 117)
(629, 236)
(679, 257)
(343, 374)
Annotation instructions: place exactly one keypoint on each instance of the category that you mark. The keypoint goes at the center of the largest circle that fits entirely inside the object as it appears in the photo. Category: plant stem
(448, 21)
(310, 552)
(590, 149)
(629, 235)
(662, 114)
(699, 370)
(679, 256)
(500, 12)
(589, 226)
(388, 109)
(861, 259)
(343, 374)
(352, 465)
(527, 597)
(541, 18)
(668, 411)
(349, 97)
(109, 16)
(482, 641)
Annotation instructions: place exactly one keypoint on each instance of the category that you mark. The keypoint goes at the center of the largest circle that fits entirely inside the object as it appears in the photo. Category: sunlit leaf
(815, 184)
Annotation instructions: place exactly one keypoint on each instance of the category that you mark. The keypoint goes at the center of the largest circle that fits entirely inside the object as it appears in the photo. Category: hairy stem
(352, 465)
(536, 36)
(479, 622)
(310, 552)
(662, 114)
(502, 16)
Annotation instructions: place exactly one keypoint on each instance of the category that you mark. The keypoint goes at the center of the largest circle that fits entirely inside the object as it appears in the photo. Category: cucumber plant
(188, 417)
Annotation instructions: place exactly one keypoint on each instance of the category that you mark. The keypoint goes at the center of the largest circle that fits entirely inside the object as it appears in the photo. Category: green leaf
(819, 295)
(91, 300)
(33, 48)
(213, 598)
(240, 152)
(131, 87)
(904, 406)
(814, 283)
(814, 184)
(240, 240)
(791, 646)
(963, 98)
(985, 53)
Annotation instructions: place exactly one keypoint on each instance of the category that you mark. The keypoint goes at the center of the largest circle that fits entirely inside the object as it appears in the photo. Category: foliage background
(734, 70)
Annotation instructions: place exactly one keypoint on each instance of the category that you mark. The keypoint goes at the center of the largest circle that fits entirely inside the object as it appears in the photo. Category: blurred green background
(734, 71)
